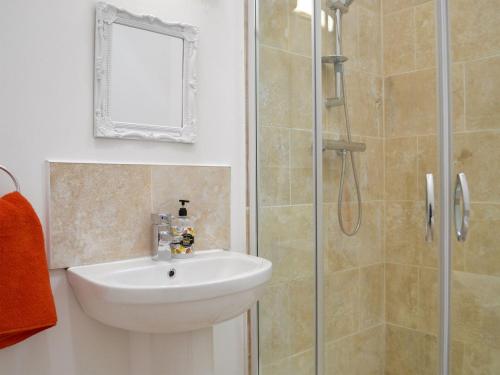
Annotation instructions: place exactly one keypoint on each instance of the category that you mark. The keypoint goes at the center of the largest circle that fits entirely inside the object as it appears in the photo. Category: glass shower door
(285, 186)
(353, 185)
(369, 302)
(475, 312)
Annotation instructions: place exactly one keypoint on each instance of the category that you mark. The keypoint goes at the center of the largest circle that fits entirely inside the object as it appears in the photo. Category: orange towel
(26, 301)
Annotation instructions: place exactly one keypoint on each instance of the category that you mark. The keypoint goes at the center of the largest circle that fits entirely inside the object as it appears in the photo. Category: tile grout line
(414, 20)
(464, 88)
(369, 328)
(392, 12)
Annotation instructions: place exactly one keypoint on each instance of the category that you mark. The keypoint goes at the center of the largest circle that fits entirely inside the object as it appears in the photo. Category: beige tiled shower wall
(410, 126)
(354, 270)
(381, 286)
(102, 212)
(411, 151)
(286, 232)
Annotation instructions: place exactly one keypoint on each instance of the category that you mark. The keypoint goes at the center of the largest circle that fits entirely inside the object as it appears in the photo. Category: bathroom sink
(172, 296)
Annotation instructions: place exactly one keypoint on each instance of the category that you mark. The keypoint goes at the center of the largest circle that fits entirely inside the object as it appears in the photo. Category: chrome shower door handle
(429, 207)
(462, 207)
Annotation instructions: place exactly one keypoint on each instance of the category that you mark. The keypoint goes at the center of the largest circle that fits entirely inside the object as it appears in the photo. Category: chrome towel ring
(14, 180)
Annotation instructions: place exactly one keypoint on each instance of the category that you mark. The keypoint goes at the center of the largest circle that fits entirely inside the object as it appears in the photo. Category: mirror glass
(146, 81)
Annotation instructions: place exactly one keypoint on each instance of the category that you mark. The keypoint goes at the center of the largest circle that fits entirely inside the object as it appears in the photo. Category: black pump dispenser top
(183, 210)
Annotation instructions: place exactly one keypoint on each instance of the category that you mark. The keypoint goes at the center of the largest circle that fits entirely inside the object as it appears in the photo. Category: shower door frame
(445, 171)
(445, 174)
(252, 74)
(317, 81)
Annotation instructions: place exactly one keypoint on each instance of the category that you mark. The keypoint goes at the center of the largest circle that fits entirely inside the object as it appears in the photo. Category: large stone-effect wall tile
(274, 324)
(274, 184)
(457, 358)
(274, 87)
(475, 310)
(370, 41)
(475, 30)
(411, 352)
(299, 40)
(280, 367)
(401, 283)
(401, 169)
(478, 156)
(274, 148)
(482, 88)
(410, 104)
(364, 248)
(341, 303)
(298, 364)
(303, 363)
(301, 312)
(286, 239)
(98, 212)
(359, 354)
(300, 95)
(302, 185)
(370, 167)
(428, 300)
(273, 23)
(404, 230)
(368, 242)
(402, 351)
(481, 359)
(371, 296)
(209, 191)
(458, 98)
(482, 248)
(301, 152)
(399, 42)
(428, 355)
(396, 5)
(425, 35)
(350, 39)
(337, 255)
(364, 93)
(332, 166)
(373, 5)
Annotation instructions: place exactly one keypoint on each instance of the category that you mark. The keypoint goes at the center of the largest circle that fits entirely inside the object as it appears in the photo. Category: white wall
(46, 75)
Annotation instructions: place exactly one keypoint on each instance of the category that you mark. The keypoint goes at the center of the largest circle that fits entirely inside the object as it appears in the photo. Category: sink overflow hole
(171, 272)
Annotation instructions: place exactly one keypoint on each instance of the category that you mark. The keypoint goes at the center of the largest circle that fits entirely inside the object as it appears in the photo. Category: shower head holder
(342, 5)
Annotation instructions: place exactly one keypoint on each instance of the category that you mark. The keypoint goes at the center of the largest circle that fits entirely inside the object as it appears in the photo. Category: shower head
(342, 5)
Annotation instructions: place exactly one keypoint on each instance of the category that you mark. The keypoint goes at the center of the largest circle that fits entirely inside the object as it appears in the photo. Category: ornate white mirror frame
(104, 126)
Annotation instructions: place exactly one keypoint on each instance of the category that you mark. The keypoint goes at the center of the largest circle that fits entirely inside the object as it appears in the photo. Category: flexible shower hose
(340, 201)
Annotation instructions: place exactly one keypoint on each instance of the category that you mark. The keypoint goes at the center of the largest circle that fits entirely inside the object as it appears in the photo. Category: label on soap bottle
(183, 243)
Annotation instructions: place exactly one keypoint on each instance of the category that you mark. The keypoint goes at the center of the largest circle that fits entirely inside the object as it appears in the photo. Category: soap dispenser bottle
(183, 231)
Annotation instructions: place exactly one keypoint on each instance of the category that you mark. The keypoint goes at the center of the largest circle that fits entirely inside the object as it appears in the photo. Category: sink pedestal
(186, 353)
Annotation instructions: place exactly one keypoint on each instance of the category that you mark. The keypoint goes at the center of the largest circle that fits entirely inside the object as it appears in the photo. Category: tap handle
(161, 218)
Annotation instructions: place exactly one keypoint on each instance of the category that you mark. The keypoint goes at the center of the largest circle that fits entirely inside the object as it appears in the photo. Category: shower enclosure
(375, 185)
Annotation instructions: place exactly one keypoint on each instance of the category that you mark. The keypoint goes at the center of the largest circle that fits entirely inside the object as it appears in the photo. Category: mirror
(145, 81)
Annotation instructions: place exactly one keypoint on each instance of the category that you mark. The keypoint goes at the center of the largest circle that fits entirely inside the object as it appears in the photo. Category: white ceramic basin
(139, 295)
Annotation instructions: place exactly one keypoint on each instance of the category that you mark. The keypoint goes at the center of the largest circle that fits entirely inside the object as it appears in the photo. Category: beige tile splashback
(101, 212)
